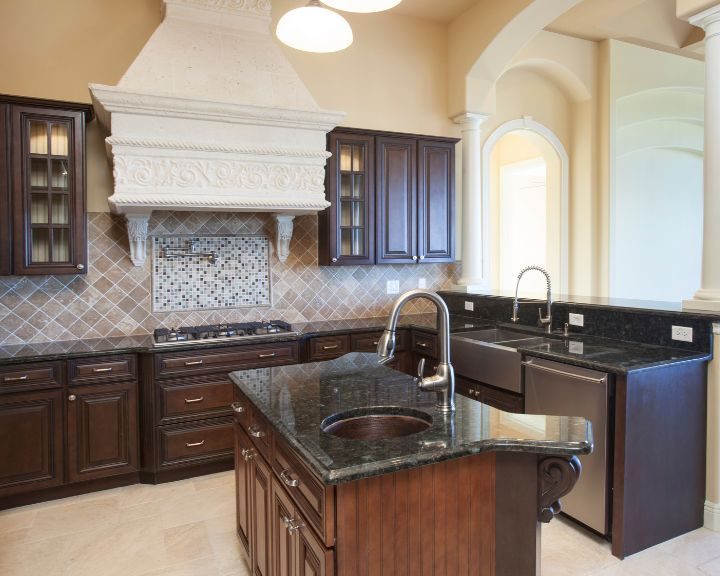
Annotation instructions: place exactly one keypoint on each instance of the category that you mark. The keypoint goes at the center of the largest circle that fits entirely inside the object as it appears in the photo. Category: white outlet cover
(576, 319)
(469, 305)
(682, 333)
(393, 286)
(422, 283)
(575, 347)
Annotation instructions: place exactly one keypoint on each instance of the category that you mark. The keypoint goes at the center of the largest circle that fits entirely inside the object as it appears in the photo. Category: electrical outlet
(393, 286)
(469, 305)
(683, 333)
(575, 347)
(576, 319)
(422, 283)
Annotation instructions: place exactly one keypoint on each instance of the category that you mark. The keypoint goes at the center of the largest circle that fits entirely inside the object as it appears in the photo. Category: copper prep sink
(376, 423)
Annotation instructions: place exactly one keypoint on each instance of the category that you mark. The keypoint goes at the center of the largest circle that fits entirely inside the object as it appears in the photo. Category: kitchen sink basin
(376, 423)
(490, 356)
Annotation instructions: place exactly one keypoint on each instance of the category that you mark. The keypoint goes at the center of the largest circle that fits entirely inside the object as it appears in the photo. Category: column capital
(470, 120)
(708, 20)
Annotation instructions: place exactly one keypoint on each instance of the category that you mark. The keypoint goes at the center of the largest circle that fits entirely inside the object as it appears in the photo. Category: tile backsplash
(238, 275)
(115, 298)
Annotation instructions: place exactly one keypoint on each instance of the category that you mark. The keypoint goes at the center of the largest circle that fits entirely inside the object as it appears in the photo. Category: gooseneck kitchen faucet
(443, 381)
(547, 321)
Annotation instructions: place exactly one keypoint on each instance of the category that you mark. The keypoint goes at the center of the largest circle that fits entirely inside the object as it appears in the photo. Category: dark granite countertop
(606, 354)
(296, 399)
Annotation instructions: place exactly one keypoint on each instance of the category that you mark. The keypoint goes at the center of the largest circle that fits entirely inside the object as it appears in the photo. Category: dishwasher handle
(542, 368)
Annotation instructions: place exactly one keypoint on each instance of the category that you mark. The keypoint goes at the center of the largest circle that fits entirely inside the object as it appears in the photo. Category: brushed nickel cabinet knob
(72, 397)
(80, 266)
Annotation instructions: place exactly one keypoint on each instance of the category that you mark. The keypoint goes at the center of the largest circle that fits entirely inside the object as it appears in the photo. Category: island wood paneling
(434, 520)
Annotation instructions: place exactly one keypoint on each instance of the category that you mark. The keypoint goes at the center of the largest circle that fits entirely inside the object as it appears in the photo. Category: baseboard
(712, 516)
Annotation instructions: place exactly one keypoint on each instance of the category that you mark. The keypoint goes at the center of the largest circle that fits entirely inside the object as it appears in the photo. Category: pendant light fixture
(362, 5)
(314, 28)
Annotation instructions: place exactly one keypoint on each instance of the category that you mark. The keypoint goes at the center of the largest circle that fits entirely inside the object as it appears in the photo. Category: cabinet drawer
(101, 369)
(260, 433)
(209, 439)
(194, 398)
(425, 344)
(368, 341)
(225, 359)
(325, 347)
(315, 500)
(24, 376)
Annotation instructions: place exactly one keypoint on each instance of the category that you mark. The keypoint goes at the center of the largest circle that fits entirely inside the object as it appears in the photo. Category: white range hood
(211, 116)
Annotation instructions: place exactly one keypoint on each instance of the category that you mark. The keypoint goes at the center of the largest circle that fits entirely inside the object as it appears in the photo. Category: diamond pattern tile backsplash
(237, 275)
(115, 298)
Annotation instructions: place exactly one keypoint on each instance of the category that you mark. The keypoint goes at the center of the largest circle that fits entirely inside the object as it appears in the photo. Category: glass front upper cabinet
(349, 220)
(48, 190)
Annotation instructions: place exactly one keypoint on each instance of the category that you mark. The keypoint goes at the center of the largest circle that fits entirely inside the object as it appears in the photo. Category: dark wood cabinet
(396, 192)
(243, 479)
(102, 430)
(42, 163)
(395, 209)
(31, 450)
(500, 399)
(261, 536)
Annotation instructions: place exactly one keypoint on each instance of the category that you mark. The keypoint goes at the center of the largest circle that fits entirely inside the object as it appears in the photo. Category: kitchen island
(320, 494)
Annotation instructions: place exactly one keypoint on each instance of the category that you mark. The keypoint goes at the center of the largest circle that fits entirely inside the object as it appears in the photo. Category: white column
(475, 266)
(708, 297)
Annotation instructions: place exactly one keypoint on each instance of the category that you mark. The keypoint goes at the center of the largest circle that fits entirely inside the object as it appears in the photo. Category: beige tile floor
(187, 528)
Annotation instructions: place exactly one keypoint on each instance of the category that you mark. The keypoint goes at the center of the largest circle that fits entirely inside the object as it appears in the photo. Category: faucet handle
(421, 368)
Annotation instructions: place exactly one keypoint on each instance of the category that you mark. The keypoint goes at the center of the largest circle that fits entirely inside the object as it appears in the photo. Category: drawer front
(325, 347)
(195, 398)
(241, 409)
(316, 501)
(226, 359)
(365, 342)
(28, 376)
(260, 433)
(505, 401)
(103, 369)
(210, 439)
(425, 344)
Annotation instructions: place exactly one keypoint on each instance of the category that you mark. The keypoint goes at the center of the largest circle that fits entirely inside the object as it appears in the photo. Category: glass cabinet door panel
(59, 174)
(345, 157)
(59, 139)
(358, 158)
(346, 182)
(358, 186)
(352, 241)
(39, 173)
(38, 137)
(60, 209)
(352, 213)
(61, 245)
(39, 209)
(40, 245)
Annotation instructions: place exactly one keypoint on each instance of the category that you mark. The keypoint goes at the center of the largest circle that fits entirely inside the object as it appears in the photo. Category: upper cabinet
(42, 186)
(392, 199)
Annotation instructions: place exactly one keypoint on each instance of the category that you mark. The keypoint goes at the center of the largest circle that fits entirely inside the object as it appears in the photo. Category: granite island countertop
(296, 399)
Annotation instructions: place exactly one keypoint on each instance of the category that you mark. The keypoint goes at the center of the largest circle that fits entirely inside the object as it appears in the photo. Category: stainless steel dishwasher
(558, 389)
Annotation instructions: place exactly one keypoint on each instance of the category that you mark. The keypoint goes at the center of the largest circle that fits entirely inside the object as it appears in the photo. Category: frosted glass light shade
(313, 28)
(362, 5)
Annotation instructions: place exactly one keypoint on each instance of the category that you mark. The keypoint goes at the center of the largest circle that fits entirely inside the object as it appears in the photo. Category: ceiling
(650, 23)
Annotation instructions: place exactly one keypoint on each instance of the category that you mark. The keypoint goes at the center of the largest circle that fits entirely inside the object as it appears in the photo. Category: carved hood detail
(211, 116)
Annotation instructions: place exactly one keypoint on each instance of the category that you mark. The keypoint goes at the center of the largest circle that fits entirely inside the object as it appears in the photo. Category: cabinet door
(102, 430)
(260, 532)
(243, 467)
(313, 559)
(396, 190)
(436, 201)
(5, 210)
(31, 448)
(346, 228)
(48, 189)
(283, 541)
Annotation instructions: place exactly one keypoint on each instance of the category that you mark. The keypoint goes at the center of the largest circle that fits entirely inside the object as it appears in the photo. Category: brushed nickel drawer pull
(193, 363)
(247, 454)
(102, 369)
(333, 347)
(255, 432)
(423, 345)
(295, 526)
(193, 444)
(270, 355)
(15, 378)
(194, 400)
(237, 407)
(285, 477)
(531, 364)
(375, 343)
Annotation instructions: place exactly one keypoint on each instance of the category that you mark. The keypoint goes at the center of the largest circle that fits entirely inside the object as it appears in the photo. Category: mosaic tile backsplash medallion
(239, 277)
(114, 298)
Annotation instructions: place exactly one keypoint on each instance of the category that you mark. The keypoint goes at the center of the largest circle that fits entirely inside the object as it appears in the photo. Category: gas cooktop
(221, 332)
